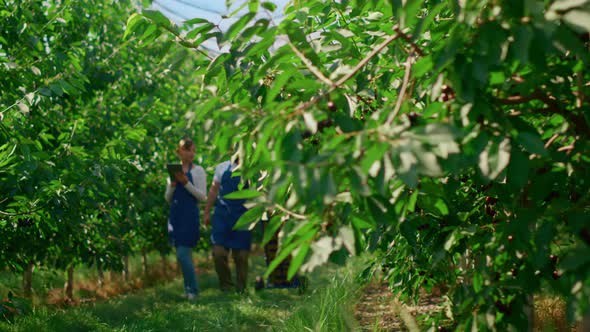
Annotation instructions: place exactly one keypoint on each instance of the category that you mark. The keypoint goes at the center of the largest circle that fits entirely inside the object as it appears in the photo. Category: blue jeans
(184, 258)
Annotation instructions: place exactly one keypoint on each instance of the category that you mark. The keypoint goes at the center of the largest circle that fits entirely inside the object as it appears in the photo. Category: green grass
(326, 306)
(328, 309)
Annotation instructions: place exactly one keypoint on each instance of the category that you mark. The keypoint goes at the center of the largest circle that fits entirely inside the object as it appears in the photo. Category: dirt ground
(376, 310)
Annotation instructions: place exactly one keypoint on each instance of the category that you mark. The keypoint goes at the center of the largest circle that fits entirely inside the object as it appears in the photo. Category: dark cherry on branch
(331, 106)
(413, 118)
(321, 126)
(447, 93)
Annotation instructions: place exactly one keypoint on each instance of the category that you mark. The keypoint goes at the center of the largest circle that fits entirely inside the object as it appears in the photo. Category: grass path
(323, 307)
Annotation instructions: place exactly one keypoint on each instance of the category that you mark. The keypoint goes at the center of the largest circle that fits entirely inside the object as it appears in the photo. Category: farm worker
(223, 237)
(183, 194)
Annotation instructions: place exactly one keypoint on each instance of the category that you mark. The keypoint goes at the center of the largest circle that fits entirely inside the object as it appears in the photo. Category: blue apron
(184, 216)
(227, 212)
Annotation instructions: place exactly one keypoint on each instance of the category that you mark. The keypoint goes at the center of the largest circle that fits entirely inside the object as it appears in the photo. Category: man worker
(224, 239)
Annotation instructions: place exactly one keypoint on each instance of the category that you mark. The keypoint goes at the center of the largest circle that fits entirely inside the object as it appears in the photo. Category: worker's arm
(213, 191)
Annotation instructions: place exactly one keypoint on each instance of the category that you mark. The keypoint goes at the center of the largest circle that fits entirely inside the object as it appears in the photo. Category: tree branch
(292, 214)
(366, 102)
(578, 121)
(551, 140)
(536, 95)
(311, 67)
(315, 99)
(402, 92)
(408, 39)
(369, 56)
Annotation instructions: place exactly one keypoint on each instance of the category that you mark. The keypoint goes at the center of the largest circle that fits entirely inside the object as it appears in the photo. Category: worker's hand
(181, 177)
(206, 219)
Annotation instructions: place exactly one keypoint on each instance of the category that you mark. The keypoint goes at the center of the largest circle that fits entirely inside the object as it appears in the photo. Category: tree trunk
(28, 280)
(126, 275)
(585, 325)
(144, 262)
(70, 283)
(529, 311)
(164, 264)
(100, 276)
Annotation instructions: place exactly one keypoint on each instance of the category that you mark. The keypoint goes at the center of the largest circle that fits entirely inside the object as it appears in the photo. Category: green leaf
(346, 123)
(478, 282)
(567, 42)
(518, 169)
(56, 89)
(494, 158)
(575, 259)
(522, 42)
(298, 260)
(408, 169)
(411, 206)
(451, 241)
(271, 228)
(269, 6)
(565, 5)
(532, 143)
(252, 215)
(201, 29)
(148, 32)
(298, 38)
(216, 67)
(422, 66)
(253, 5)
(157, 18)
(579, 19)
(268, 39)
(68, 88)
(410, 12)
(360, 223)
(372, 156)
(290, 148)
(238, 26)
(280, 81)
(346, 235)
(442, 207)
(243, 194)
(196, 21)
(132, 23)
(286, 251)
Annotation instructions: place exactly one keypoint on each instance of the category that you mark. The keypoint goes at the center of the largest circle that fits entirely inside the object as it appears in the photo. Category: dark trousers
(221, 258)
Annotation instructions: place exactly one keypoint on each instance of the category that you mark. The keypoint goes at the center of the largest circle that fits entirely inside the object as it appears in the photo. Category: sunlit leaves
(495, 157)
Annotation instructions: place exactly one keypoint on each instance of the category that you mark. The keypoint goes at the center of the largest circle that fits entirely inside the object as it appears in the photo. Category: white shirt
(220, 169)
(198, 188)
